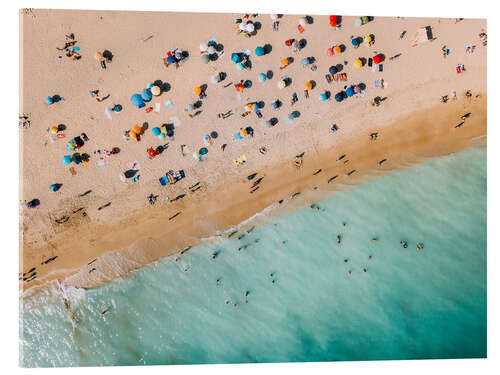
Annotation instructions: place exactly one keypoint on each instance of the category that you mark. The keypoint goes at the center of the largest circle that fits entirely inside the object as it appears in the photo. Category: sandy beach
(90, 245)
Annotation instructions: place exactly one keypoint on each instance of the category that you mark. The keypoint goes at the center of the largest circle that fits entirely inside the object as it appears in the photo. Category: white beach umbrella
(215, 78)
(274, 16)
(243, 26)
(302, 21)
(250, 27)
(211, 49)
(203, 47)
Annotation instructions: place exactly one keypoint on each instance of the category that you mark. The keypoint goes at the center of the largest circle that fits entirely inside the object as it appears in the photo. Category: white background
(9, 185)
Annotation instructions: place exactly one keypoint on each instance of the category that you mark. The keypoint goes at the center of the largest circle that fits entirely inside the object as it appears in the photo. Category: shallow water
(408, 304)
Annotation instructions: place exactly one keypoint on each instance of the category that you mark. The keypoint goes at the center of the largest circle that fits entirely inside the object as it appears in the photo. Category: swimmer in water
(404, 243)
(374, 239)
(217, 282)
(346, 260)
(338, 238)
(420, 246)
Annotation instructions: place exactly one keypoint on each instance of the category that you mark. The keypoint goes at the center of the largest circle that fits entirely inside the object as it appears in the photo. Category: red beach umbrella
(377, 59)
(333, 21)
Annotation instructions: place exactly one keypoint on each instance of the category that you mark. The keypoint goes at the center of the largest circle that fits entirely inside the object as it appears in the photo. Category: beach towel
(169, 104)
(376, 84)
(237, 136)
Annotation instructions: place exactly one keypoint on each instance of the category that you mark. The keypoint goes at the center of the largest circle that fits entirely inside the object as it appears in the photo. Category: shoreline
(427, 139)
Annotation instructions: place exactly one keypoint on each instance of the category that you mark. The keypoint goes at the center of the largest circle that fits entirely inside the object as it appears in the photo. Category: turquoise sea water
(408, 304)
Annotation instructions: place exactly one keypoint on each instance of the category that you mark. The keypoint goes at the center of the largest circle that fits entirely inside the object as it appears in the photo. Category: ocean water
(408, 304)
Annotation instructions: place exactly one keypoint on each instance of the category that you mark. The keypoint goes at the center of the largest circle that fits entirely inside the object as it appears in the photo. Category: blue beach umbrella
(236, 58)
(49, 100)
(240, 66)
(150, 85)
(322, 97)
(163, 136)
(190, 107)
(262, 77)
(55, 187)
(146, 95)
(171, 59)
(339, 97)
(259, 51)
(268, 124)
(305, 61)
(203, 151)
(156, 131)
(136, 100)
(66, 159)
(355, 42)
(333, 70)
(350, 91)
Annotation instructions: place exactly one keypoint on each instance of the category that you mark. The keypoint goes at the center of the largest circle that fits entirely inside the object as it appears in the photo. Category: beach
(94, 246)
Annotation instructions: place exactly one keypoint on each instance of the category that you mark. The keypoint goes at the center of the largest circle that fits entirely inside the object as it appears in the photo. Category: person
(420, 246)
(338, 238)
(404, 243)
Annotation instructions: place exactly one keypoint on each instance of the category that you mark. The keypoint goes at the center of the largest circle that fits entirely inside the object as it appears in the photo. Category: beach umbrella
(205, 59)
(358, 22)
(146, 95)
(54, 129)
(54, 187)
(178, 55)
(137, 100)
(364, 20)
(259, 51)
(171, 59)
(162, 136)
(354, 42)
(368, 39)
(377, 59)
(240, 66)
(357, 89)
(156, 131)
(305, 61)
(243, 132)
(211, 50)
(243, 26)
(67, 159)
(275, 105)
(302, 21)
(236, 58)
(155, 90)
(262, 77)
(268, 124)
(49, 100)
(206, 138)
(333, 21)
(77, 158)
(308, 85)
(284, 62)
(329, 52)
(323, 97)
(149, 85)
(203, 151)
(333, 69)
(137, 129)
(197, 90)
(339, 96)
(337, 50)
(274, 16)
(350, 91)
(358, 63)
(250, 27)
(215, 78)
(190, 107)
(203, 47)
(281, 84)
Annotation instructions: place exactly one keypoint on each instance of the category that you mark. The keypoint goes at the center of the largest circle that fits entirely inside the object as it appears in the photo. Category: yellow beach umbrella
(155, 90)
(368, 39)
(197, 90)
(308, 85)
(98, 56)
(358, 63)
